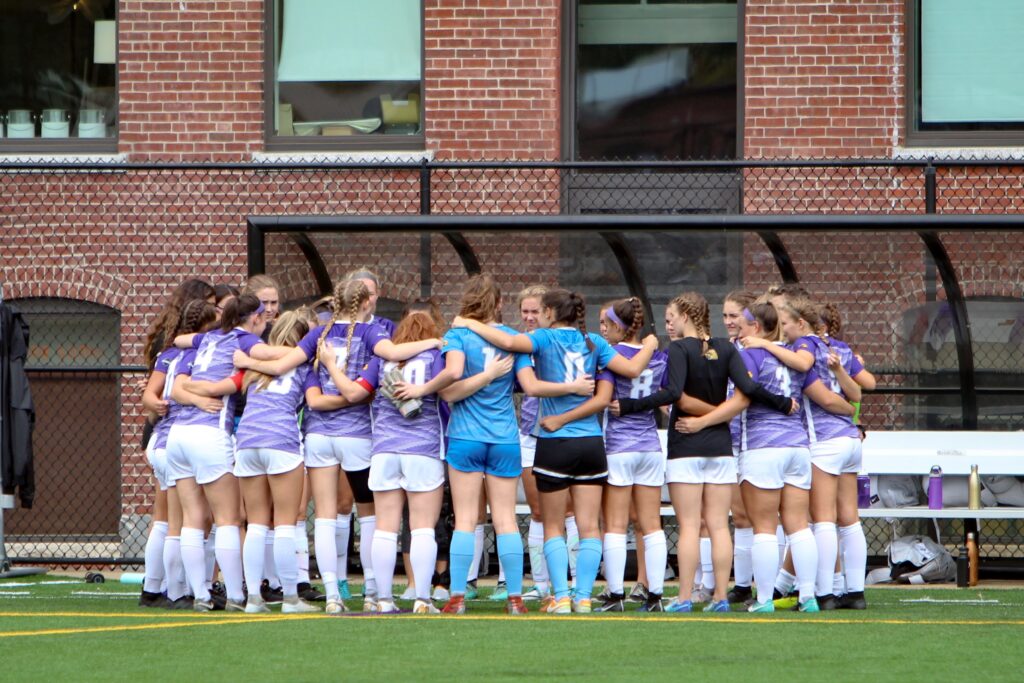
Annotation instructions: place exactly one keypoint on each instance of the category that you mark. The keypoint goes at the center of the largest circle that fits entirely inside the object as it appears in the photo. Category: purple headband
(610, 314)
(259, 309)
(747, 315)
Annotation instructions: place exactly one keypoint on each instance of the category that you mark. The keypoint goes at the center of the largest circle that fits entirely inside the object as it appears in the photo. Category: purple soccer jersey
(270, 419)
(821, 424)
(762, 427)
(392, 433)
(636, 432)
(172, 362)
(354, 420)
(214, 361)
(528, 411)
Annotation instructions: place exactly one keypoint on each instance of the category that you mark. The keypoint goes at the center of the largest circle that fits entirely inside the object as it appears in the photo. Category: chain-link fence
(938, 314)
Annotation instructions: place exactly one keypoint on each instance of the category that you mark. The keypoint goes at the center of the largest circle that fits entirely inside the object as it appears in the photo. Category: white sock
(855, 556)
(827, 540)
(572, 543)
(780, 534)
(478, 553)
(656, 553)
(342, 532)
(323, 546)
(269, 566)
(805, 561)
(174, 570)
(286, 559)
(228, 546)
(501, 573)
(366, 528)
(706, 566)
(193, 557)
(254, 557)
(210, 548)
(764, 558)
(743, 569)
(698, 577)
(615, 561)
(384, 551)
(535, 544)
(838, 584)
(155, 572)
(784, 581)
(301, 551)
(422, 557)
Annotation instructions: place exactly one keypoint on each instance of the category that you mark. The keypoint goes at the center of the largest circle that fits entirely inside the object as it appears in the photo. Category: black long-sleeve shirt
(705, 376)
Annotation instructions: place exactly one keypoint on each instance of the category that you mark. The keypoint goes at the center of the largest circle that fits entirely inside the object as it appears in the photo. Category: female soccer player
(372, 282)
(163, 548)
(701, 469)
(775, 461)
(270, 469)
(266, 289)
(636, 462)
(337, 434)
(570, 449)
(200, 451)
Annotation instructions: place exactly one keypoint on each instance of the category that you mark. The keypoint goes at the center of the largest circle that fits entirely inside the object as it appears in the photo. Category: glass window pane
(656, 80)
(347, 68)
(58, 70)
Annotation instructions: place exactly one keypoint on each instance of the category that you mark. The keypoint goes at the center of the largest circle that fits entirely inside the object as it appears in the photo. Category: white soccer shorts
(773, 468)
(643, 468)
(255, 462)
(413, 473)
(841, 455)
(717, 470)
(352, 453)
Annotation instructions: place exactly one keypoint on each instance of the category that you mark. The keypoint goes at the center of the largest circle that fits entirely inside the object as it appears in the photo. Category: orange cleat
(455, 605)
(515, 605)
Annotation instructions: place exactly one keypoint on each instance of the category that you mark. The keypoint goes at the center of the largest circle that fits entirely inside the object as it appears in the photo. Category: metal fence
(938, 313)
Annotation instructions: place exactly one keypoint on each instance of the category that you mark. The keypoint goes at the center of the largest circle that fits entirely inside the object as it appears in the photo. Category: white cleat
(370, 603)
(409, 594)
(256, 605)
(335, 606)
(387, 606)
(424, 607)
(293, 604)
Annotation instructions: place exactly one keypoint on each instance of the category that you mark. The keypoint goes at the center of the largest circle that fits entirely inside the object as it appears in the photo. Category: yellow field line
(137, 627)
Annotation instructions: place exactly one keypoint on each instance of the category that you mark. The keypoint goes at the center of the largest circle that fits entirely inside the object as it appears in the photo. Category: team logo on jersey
(711, 354)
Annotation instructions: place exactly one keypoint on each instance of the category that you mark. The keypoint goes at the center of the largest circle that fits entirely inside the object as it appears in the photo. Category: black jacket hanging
(17, 413)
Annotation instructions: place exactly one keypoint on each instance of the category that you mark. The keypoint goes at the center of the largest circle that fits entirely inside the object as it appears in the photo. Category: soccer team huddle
(343, 406)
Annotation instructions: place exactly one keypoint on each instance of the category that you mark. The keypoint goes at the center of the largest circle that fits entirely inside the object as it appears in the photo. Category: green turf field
(54, 628)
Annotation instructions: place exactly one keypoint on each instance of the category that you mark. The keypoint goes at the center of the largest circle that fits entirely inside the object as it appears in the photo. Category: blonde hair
(767, 316)
(803, 309)
(695, 307)
(258, 282)
(532, 292)
(290, 327)
(349, 296)
(481, 298)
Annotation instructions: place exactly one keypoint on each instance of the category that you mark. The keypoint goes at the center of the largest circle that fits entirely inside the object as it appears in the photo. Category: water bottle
(935, 488)
(974, 489)
(863, 491)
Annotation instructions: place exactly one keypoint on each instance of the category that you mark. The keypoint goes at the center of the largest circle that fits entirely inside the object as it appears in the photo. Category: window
(344, 74)
(964, 66)
(58, 76)
(653, 79)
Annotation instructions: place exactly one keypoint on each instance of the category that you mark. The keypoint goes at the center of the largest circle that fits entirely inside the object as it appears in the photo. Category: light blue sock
(588, 561)
(460, 555)
(557, 556)
(510, 554)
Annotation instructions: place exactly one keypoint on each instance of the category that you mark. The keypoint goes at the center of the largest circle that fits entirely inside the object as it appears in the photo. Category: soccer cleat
(653, 604)
(148, 599)
(787, 602)
(440, 594)
(370, 603)
(582, 606)
(718, 606)
(546, 603)
(296, 605)
(809, 606)
(218, 596)
(387, 606)
(638, 594)
(184, 602)
(740, 594)
(471, 592)
(605, 594)
(202, 605)
(310, 594)
(827, 603)
(234, 606)
(500, 592)
(613, 602)
(256, 605)
(424, 607)
(535, 593)
(515, 605)
(853, 601)
(700, 594)
(560, 606)
(455, 605)
(334, 606)
(344, 590)
(409, 594)
(678, 606)
(271, 596)
(762, 607)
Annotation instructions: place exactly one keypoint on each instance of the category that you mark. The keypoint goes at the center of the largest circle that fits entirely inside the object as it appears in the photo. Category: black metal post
(425, 188)
(929, 187)
(256, 249)
(426, 279)
(779, 252)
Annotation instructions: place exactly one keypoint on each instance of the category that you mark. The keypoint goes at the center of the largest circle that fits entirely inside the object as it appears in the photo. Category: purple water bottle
(863, 491)
(935, 488)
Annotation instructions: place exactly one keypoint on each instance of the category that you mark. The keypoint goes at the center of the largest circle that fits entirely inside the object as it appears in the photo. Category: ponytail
(237, 311)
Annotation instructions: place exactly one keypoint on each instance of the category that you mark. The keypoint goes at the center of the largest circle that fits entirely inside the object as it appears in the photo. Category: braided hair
(349, 296)
(832, 320)
(631, 312)
(695, 307)
(569, 308)
(161, 334)
(196, 316)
